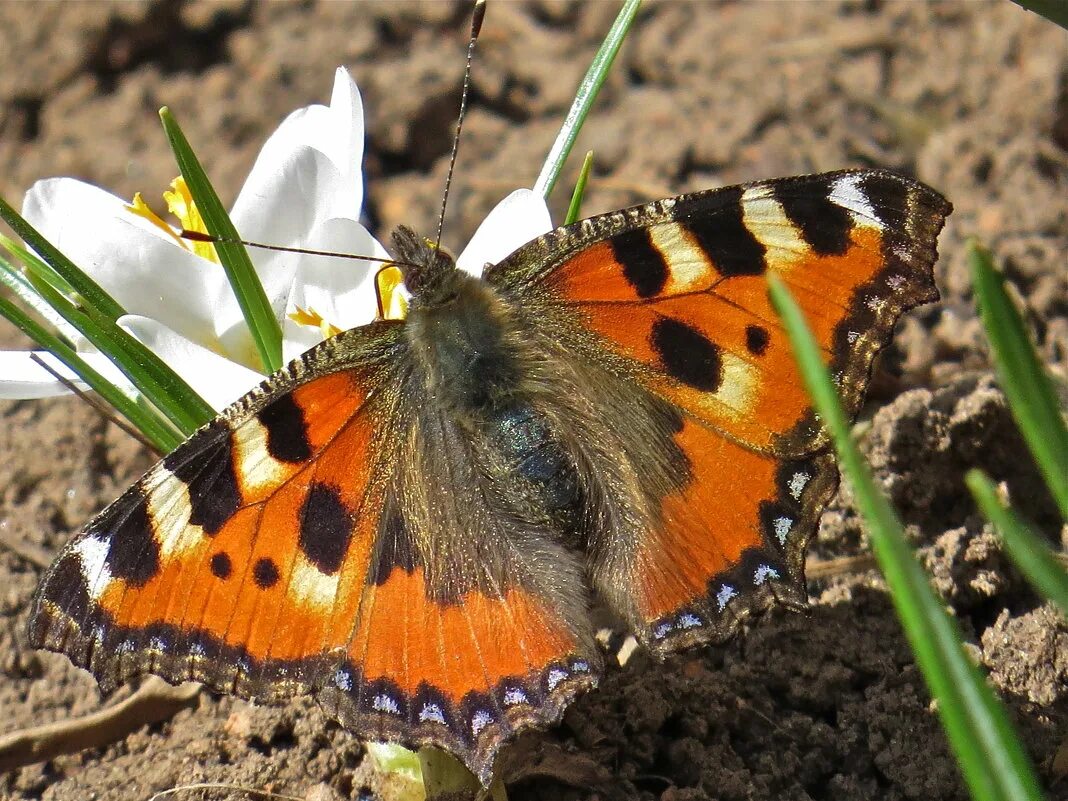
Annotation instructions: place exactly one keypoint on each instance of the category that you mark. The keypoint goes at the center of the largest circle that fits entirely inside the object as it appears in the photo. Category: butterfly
(412, 520)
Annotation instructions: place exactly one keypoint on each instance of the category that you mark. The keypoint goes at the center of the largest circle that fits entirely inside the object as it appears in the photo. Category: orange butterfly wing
(675, 292)
(264, 557)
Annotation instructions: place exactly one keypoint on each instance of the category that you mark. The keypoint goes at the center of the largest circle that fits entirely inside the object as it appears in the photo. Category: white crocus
(306, 191)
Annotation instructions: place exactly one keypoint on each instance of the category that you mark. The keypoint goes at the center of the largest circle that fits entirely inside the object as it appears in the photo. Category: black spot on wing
(824, 225)
(133, 553)
(209, 474)
(287, 434)
(888, 195)
(221, 566)
(722, 234)
(265, 573)
(687, 354)
(394, 549)
(643, 264)
(756, 339)
(326, 527)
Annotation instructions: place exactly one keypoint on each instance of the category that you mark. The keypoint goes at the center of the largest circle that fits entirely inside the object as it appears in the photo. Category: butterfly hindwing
(671, 300)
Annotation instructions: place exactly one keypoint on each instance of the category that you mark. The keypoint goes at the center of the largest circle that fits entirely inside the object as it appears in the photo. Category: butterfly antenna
(478, 13)
(97, 406)
(200, 236)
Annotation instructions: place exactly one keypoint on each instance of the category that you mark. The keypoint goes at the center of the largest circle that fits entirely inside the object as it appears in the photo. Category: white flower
(305, 190)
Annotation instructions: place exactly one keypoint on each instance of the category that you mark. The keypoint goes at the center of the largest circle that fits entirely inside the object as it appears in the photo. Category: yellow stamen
(141, 209)
(312, 318)
(180, 204)
(392, 305)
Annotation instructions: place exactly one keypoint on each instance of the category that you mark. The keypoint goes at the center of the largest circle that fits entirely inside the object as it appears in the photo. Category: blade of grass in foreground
(66, 270)
(86, 307)
(164, 438)
(990, 756)
(256, 308)
(584, 98)
(1027, 550)
(1031, 396)
(574, 210)
(1055, 11)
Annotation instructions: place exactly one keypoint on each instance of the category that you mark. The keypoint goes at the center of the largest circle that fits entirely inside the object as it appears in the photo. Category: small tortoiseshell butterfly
(411, 520)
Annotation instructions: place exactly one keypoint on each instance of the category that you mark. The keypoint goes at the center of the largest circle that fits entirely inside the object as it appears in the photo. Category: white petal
(336, 132)
(341, 291)
(283, 210)
(218, 380)
(519, 218)
(143, 270)
(22, 377)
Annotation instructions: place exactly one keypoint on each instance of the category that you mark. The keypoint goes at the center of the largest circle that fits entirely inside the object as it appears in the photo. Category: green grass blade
(1054, 10)
(574, 209)
(990, 756)
(14, 279)
(1031, 396)
(64, 268)
(58, 282)
(1026, 549)
(255, 306)
(584, 98)
(164, 388)
(149, 423)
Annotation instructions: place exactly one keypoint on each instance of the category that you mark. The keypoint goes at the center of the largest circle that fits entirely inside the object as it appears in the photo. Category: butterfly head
(426, 268)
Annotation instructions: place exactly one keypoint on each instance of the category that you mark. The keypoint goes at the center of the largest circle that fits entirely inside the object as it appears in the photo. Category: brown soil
(970, 97)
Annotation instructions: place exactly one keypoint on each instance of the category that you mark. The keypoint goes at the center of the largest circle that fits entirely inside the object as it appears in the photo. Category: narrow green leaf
(149, 423)
(1055, 11)
(584, 98)
(990, 755)
(63, 285)
(64, 268)
(575, 207)
(15, 280)
(1031, 396)
(1026, 549)
(255, 306)
(165, 389)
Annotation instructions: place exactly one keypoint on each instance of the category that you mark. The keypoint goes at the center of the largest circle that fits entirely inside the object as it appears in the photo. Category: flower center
(180, 204)
(312, 318)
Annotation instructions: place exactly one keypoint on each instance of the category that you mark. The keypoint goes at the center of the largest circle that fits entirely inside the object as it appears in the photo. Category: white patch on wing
(431, 712)
(766, 220)
(309, 586)
(256, 468)
(169, 509)
(736, 391)
(480, 720)
(798, 482)
(726, 592)
(688, 266)
(763, 573)
(514, 696)
(384, 703)
(782, 528)
(93, 553)
(847, 193)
